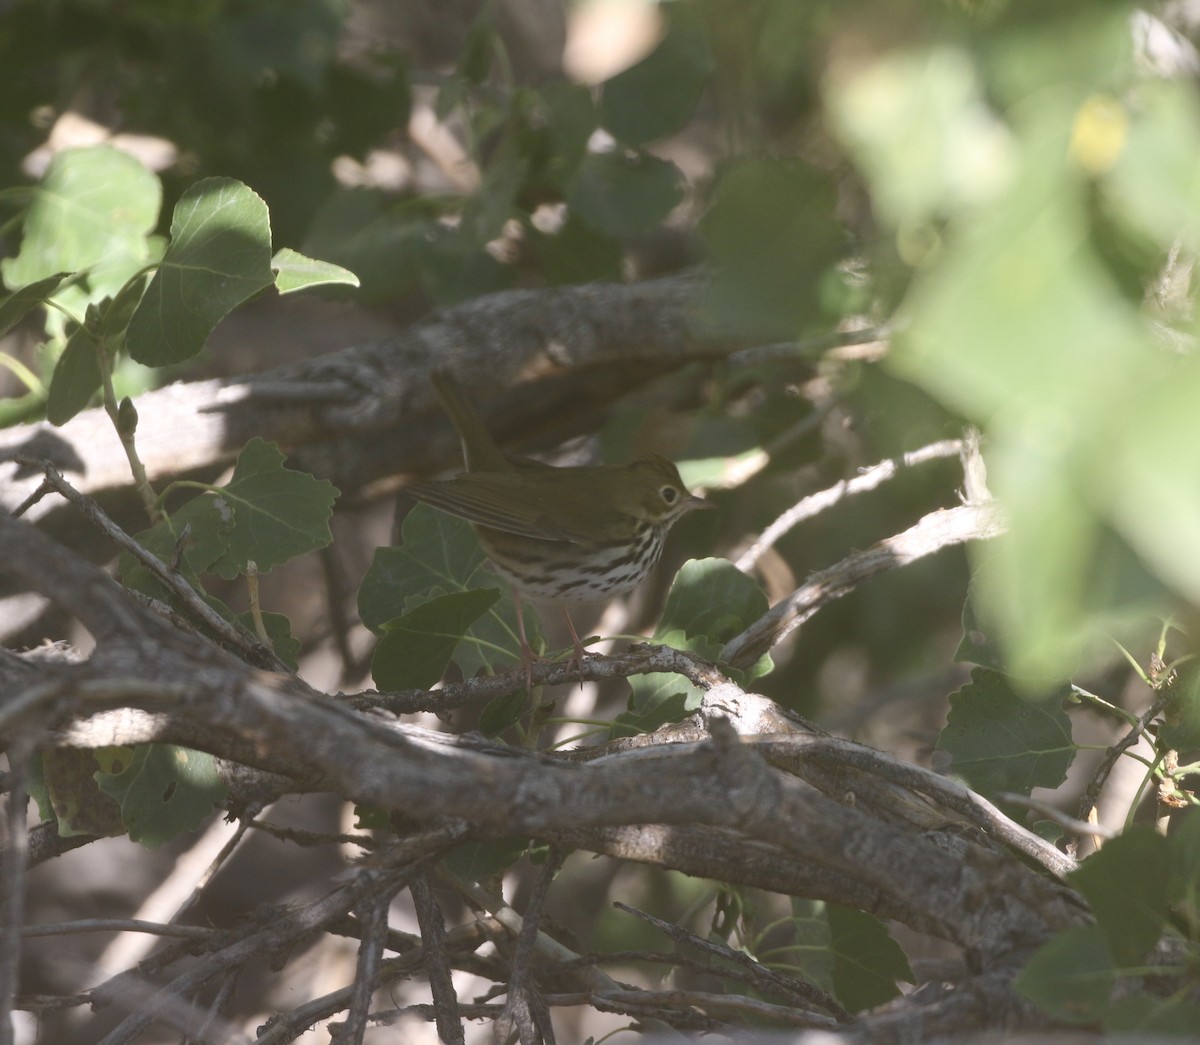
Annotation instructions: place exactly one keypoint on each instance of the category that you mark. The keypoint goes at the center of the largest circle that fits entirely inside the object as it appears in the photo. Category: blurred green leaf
(1000, 741)
(1154, 180)
(219, 255)
(94, 209)
(380, 241)
(978, 644)
(1183, 846)
(656, 97)
(762, 209)
(17, 305)
(1071, 977)
(1143, 1017)
(1125, 884)
(564, 120)
(924, 135)
(368, 100)
(622, 194)
(576, 253)
(417, 646)
(867, 962)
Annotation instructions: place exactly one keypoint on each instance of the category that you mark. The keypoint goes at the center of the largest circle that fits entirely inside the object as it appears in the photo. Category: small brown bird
(572, 533)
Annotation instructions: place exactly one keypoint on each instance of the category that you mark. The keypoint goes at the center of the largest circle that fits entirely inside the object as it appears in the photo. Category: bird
(566, 534)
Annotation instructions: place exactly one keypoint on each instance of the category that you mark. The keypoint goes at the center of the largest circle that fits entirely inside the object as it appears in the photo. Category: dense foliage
(902, 223)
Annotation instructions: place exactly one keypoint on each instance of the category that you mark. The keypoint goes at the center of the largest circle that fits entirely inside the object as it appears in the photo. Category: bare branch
(366, 408)
(814, 504)
(437, 965)
(938, 530)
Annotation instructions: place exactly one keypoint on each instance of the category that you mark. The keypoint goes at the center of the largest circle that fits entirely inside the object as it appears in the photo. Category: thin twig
(764, 979)
(118, 925)
(256, 652)
(935, 531)
(793, 750)
(12, 882)
(276, 937)
(437, 965)
(1045, 809)
(814, 504)
(522, 995)
(372, 912)
(1092, 792)
(286, 1028)
(640, 659)
(175, 895)
(809, 347)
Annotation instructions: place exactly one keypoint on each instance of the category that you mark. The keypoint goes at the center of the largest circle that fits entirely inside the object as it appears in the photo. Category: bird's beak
(694, 502)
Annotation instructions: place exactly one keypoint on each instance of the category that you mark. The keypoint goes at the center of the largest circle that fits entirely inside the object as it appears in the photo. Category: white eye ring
(669, 494)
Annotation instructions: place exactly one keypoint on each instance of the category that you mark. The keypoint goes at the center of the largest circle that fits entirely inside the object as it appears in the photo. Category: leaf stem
(126, 427)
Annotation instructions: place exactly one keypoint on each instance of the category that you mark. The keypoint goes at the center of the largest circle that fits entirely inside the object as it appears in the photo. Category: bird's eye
(669, 494)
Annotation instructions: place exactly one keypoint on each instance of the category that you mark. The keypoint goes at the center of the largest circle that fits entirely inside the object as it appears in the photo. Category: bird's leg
(580, 652)
(527, 654)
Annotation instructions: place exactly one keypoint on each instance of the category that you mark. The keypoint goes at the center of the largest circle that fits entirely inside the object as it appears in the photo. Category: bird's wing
(518, 502)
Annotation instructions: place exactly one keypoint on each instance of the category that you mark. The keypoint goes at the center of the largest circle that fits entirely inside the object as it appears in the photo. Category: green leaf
(564, 122)
(293, 271)
(1154, 181)
(220, 255)
(1126, 886)
(1183, 844)
(163, 791)
(622, 194)
(657, 96)
(1000, 741)
(279, 635)
(710, 601)
(978, 644)
(809, 951)
(476, 861)
(208, 522)
(762, 209)
(76, 377)
(867, 962)
(502, 712)
(576, 253)
(1141, 453)
(94, 209)
(1142, 1017)
(378, 240)
(662, 696)
(1071, 977)
(1021, 320)
(17, 305)
(417, 646)
(967, 154)
(711, 598)
(278, 512)
(440, 554)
